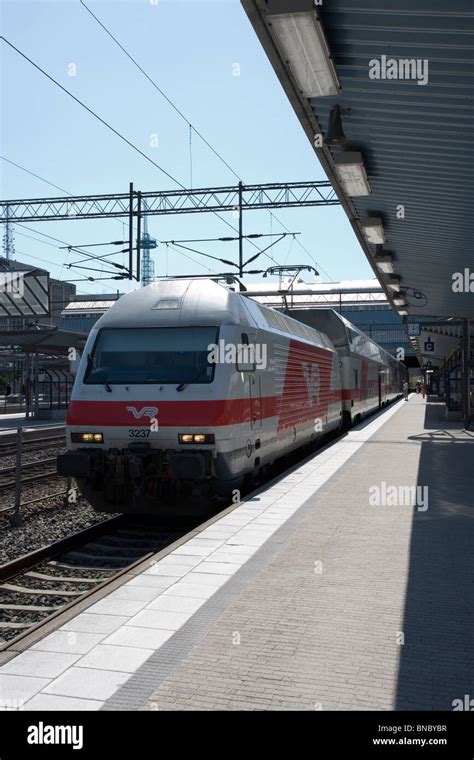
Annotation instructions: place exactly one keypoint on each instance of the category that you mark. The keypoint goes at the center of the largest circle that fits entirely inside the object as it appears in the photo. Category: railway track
(36, 588)
(36, 468)
(31, 441)
(5, 472)
(31, 447)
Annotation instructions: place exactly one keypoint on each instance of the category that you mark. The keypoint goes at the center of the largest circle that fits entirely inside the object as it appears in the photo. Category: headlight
(87, 438)
(196, 437)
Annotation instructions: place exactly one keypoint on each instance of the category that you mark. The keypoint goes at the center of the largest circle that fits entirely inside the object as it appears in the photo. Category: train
(187, 390)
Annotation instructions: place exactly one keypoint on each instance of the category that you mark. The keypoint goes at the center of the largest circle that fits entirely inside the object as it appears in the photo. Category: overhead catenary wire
(19, 166)
(174, 106)
(190, 157)
(48, 182)
(112, 129)
(20, 224)
(191, 127)
(171, 103)
(92, 112)
(318, 265)
(207, 255)
(58, 240)
(47, 261)
(42, 259)
(229, 239)
(169, 245)
(162, 93)
(37, 240)
(68, 245)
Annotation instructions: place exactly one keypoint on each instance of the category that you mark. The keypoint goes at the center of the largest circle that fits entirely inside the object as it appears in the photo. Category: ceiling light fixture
(393, 281)
(300, 36)
(373, 230)
(384, 262)
(351, 173)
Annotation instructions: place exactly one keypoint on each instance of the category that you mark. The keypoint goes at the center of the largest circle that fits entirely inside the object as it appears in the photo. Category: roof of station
(45, 340)
(82, 306)
(415, 138)
(302, 294)
(344, 286)
(12, 265)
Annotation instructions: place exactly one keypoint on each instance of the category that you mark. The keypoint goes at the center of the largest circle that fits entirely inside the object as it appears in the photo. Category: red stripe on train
(212, 413)
(169, 414)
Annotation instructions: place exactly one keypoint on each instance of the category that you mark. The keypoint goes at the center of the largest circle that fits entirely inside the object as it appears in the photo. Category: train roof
(343, 333)
(175, 302)
(190, 302)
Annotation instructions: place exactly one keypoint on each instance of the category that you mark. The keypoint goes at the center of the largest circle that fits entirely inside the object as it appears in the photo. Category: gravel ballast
(44, 524)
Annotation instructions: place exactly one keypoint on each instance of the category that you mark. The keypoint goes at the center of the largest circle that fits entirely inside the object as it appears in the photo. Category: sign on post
(413, 329)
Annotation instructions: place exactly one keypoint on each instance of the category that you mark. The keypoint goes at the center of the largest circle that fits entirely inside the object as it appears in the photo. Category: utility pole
(139, 232)
(241, 240)
(130, 234)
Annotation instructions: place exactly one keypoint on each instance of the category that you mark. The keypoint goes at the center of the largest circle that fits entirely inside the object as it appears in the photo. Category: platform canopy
(24, 292)
(396, 78)
(438, 340)
(45, 340)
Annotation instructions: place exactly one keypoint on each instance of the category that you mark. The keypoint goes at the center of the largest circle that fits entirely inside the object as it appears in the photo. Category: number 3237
(138, 433)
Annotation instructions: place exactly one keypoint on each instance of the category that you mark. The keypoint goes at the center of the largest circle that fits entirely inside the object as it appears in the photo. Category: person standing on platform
(424, 390)
(406, 388)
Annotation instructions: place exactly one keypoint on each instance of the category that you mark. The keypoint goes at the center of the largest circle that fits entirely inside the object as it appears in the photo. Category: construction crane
(147, 243)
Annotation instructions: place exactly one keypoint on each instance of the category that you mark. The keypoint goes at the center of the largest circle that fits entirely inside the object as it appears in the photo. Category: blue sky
(189, 49)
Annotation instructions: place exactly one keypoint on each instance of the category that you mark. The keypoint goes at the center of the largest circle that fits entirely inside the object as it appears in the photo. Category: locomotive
(187, 389)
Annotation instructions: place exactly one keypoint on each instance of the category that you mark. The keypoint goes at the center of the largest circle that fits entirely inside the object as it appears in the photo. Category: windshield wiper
(182, 386)
(91, 363)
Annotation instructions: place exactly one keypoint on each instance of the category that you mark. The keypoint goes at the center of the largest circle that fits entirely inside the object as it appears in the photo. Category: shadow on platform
(437, 659)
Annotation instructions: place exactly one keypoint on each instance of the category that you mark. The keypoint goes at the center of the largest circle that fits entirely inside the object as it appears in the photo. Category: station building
(35, 374)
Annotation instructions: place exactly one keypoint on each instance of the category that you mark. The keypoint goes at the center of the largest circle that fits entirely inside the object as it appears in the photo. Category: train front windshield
(152, 355)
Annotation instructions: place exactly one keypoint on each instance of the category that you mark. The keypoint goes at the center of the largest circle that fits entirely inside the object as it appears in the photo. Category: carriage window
(152, 355)
(356, 379)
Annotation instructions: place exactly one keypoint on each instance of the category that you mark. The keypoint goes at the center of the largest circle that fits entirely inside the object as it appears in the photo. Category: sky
(190, 49)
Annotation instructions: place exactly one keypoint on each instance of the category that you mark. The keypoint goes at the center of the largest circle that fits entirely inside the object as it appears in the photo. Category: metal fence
(52, 390)
(16, 516)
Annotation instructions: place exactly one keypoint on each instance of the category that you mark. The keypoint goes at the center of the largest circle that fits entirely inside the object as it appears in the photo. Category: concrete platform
(10, 422)
(335, 588)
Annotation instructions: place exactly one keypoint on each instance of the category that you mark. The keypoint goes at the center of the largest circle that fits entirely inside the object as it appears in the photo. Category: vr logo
(146, 411)
(313, 380)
